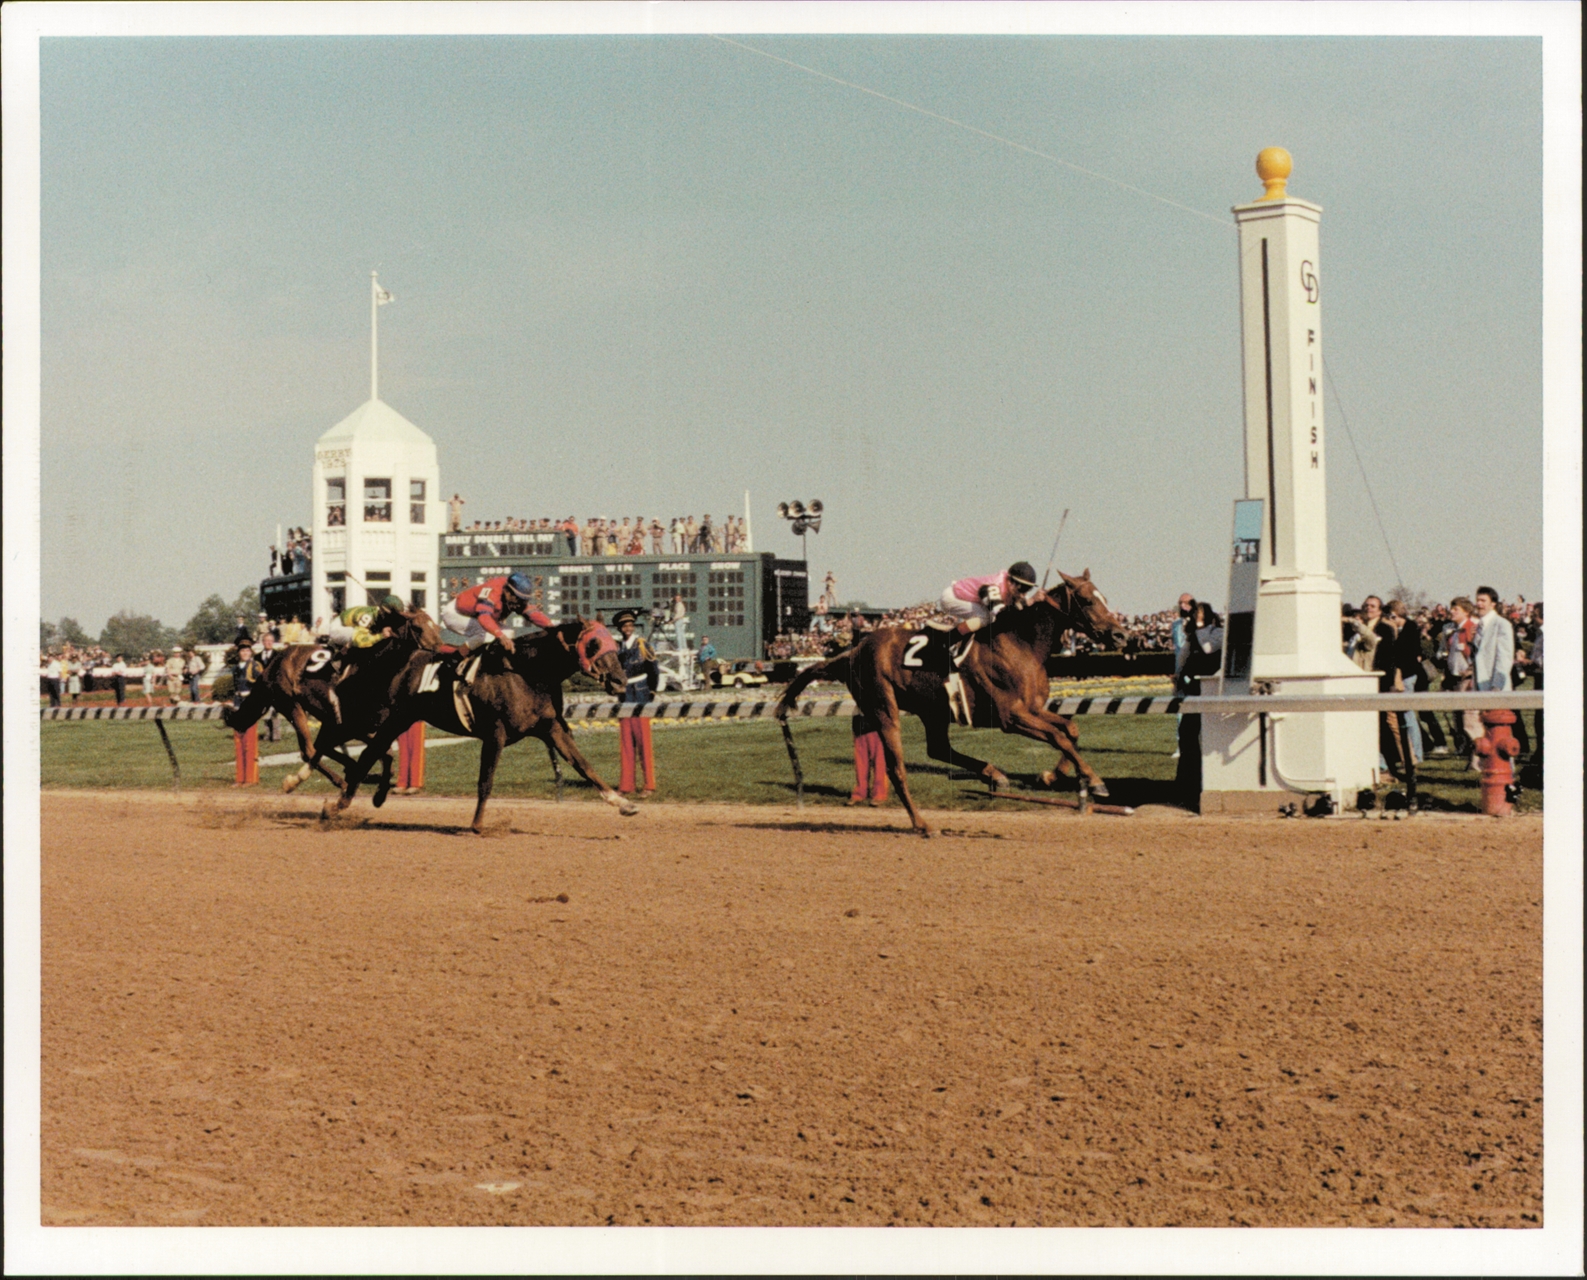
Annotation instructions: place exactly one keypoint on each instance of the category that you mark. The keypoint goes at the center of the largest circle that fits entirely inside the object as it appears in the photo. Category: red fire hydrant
(1497, 748)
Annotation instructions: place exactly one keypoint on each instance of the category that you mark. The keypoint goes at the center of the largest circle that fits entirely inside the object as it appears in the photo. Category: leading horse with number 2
(1004, 674)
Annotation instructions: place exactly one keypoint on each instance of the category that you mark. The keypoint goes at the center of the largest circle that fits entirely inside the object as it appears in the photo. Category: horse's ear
(1086, 575)
(1066, 577)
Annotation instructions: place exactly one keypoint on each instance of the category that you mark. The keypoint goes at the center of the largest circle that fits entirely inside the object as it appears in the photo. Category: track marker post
(170, 752)
(247, 747)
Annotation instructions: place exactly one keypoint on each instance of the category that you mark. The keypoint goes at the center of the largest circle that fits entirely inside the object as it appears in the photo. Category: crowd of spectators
(296, 556)
(630, 536)
(68, 672)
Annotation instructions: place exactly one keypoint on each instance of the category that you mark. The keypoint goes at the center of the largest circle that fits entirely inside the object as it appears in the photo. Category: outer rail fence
(838, 705)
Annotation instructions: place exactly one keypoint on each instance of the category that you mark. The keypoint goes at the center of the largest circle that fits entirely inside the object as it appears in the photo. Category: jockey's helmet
(520, 586)
(1022, 574)
(394, 603)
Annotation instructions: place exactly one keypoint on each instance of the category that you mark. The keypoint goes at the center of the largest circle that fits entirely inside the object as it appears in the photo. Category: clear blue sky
(643, 274)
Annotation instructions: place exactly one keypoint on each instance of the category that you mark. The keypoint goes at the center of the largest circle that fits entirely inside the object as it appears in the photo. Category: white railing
(738, 707)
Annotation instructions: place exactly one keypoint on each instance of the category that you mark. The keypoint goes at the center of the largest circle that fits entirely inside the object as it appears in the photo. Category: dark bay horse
(304, 682)
(513, 696)
(1004, 676)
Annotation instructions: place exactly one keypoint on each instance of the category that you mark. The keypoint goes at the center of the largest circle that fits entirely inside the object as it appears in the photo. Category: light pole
(805, 520)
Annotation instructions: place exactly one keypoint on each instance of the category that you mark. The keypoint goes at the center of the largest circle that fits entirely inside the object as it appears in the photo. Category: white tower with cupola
(377, 504)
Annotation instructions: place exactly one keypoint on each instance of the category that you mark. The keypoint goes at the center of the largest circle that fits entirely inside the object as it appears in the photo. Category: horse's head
(419, 628)
(1086, 608)
(596, 651)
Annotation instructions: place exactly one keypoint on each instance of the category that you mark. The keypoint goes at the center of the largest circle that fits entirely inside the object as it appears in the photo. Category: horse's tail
(836, 668)
(252, 708)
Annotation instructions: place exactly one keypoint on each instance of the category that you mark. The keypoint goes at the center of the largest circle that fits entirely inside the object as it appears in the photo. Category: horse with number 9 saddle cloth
(345, 689)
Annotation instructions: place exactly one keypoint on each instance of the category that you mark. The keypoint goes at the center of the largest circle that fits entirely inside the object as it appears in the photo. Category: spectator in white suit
(1495, 646)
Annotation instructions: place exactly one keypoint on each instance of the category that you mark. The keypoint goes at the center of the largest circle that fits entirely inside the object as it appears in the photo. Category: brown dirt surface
(735, 1016)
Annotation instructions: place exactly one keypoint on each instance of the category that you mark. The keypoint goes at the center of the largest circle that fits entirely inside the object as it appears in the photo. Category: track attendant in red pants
(245, 673)
(639, 666)
(868, 760)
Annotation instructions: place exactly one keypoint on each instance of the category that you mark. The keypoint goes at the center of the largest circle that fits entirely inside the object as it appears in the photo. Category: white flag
(381, 296)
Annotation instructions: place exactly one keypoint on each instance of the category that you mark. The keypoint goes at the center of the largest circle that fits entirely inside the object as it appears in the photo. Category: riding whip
(1050, 559)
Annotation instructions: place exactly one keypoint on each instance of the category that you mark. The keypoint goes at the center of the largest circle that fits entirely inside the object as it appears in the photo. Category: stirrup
(961, 650)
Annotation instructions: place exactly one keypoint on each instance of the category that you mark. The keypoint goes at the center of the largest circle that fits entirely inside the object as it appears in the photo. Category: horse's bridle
(605, 644)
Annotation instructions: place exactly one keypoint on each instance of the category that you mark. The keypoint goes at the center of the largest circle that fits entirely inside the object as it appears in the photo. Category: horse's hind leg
(938, 747)
(559, 737)
(893, 753)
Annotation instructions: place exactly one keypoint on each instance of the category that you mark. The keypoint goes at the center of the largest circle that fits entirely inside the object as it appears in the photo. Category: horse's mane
(529, 648)
(1041, 621)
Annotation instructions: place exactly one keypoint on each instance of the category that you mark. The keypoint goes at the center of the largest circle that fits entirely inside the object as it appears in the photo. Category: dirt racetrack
(751, 1016)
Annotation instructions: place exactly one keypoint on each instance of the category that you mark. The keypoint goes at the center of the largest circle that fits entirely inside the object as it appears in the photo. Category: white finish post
(1296, 646)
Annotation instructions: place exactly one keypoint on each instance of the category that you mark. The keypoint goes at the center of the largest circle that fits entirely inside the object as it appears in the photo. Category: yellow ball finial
(1273, 166)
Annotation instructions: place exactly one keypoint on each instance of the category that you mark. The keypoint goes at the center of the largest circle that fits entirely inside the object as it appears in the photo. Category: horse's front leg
(492, 744)
(1062, 766)
(938, 747)
(560, 737)
(308, 748)
(1056, 731)
(360, 769)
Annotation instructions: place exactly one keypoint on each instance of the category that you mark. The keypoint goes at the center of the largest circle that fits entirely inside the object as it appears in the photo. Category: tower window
(416, 502)
(336, 500)
(377, 501)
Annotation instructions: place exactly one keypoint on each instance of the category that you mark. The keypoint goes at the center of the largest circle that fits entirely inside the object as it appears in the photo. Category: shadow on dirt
(826, 828)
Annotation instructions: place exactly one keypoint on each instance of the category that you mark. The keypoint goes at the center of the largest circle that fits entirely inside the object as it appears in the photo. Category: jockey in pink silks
(974, 602)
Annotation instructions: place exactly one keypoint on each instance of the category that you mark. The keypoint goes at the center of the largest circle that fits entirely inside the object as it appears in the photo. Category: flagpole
(374, 365)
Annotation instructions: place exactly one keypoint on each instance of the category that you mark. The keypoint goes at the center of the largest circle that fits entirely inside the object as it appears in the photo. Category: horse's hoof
(1050, 778)
(925, 832)
(379, 798)
(628, 808)
(1100, 791)
(289, 784)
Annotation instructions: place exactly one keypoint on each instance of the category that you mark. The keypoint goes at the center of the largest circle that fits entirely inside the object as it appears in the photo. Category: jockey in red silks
(976, 601)
(476, 614)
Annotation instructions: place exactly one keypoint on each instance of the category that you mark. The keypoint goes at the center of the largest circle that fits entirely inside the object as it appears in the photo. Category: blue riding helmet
(520, 586)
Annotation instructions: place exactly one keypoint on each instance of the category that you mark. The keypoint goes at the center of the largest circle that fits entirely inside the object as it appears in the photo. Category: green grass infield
(742, 762)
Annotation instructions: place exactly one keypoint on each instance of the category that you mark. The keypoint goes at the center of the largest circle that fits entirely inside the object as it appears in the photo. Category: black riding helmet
(1022, 574)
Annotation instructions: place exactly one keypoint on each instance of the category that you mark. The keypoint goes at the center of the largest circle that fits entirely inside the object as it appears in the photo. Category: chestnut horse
(512, 696)
(304, 682)
(1005, 684)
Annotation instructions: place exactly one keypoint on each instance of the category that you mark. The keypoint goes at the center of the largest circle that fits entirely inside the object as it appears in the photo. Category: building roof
(375, 421)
